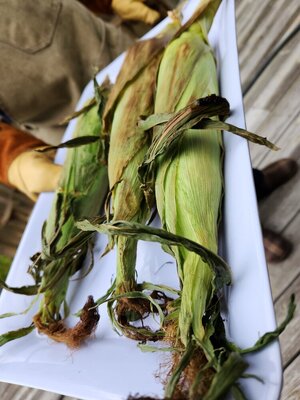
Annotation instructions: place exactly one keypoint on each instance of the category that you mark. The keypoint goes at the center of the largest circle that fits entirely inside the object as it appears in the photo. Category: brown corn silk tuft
(75, 336)
(197, 363)
(140, 308)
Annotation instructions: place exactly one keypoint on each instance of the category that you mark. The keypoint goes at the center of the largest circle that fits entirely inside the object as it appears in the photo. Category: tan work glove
(32, 173)
(135, 10)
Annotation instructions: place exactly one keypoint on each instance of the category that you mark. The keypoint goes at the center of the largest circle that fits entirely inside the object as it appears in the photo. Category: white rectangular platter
(110, 367)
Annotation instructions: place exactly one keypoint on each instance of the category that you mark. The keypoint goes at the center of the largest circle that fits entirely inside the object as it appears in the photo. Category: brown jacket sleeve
(12, 143)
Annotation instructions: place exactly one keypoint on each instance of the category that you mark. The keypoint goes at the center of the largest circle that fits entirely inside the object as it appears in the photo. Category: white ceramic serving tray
(110, 367)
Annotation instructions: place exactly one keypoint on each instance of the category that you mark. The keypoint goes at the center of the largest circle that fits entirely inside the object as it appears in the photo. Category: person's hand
(135, 10)
(32, 173)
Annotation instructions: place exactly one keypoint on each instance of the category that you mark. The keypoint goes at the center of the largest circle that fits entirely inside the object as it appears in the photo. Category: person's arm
(135, 10)
(23, 168)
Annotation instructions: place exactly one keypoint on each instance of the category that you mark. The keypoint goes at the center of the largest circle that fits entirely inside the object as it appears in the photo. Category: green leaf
(7, 315)
(237, 393)
(26, 290)
(197, 115)
(228, 373)
(180, 121)
(162, 288)
(66, 309)
(144, 232)
(77, 242)
(14, 314)
(154, 120)
(12, 335)
(269, 337)
(252, 137)
(146, 348)
(70, 144)
(252, 376)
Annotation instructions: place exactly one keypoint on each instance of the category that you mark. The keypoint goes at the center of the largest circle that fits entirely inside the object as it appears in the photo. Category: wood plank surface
(290, 338)
(282, 275)
(262, 25)
(272, 109)
(15, 392)
(291, 388)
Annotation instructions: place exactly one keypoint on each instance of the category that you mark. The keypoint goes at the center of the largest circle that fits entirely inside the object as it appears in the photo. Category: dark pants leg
(259, 183)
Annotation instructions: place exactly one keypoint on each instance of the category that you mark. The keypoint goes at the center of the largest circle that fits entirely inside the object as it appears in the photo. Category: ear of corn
(128, 145)
(189, 181)
(132, 96)
(188, 189)
(81, 192)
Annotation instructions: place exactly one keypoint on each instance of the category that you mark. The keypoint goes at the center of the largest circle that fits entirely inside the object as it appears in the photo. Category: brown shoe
(277, 248)
(278, 173)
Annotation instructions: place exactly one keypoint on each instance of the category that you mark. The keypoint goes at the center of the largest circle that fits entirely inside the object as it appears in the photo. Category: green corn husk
(201, 356)
(188, 188)
(81, 192)
(189, 182)
(188, 191)
(128, 146)
(131, 97)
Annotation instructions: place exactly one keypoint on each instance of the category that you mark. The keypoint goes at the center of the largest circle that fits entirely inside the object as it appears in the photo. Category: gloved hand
(135, 10)
(32, 173)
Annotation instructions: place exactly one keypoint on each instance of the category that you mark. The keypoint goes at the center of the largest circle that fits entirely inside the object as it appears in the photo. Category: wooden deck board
(278, 211)
(282, 275)
(272, 97)
(261, 27)
(272, 109)
(15, 392)
(290, 338)
(291, 388)
(278, 119)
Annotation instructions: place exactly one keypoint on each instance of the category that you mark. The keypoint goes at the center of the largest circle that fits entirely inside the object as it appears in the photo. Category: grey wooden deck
(269, 49)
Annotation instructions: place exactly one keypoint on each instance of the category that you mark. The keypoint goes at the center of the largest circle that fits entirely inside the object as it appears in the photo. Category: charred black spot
(213, 99)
